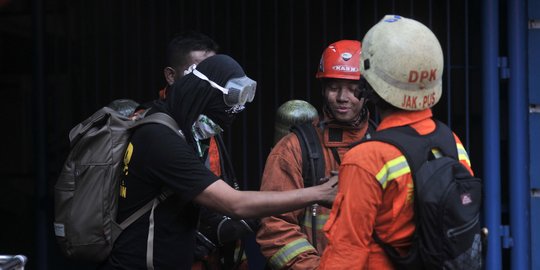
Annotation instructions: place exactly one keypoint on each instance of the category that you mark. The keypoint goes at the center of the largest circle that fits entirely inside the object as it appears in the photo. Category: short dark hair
(380, 103)
(181, 45)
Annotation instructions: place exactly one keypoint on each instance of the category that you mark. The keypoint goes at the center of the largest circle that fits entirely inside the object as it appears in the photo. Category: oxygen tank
(125, 107)
(291, 113)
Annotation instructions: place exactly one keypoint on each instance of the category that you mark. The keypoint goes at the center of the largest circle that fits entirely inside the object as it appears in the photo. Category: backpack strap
(417, 148)
(160, 118)
(313, 165)
(147, 207)
(166, 120)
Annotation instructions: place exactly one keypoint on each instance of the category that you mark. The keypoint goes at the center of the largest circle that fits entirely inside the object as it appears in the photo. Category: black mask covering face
(190, 96)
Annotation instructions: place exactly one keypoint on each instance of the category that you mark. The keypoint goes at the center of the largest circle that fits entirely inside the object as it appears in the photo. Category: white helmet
(403, 61)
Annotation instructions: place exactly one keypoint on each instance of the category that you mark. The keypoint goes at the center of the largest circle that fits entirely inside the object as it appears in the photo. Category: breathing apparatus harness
(313, 164)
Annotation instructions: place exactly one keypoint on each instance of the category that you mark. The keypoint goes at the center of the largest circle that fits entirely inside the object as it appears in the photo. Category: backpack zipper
(463, 228)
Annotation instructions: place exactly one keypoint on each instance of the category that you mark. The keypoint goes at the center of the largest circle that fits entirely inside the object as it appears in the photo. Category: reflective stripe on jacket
(285, 240)
(375, 193)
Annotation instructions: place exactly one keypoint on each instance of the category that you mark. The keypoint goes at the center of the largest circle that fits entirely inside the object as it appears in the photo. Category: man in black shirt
(206, 99)
(218, 235)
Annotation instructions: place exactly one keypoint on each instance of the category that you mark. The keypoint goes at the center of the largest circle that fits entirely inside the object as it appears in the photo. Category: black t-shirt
(159, 158)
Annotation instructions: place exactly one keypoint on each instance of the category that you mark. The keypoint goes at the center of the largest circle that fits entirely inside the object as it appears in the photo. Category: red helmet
(341, 60)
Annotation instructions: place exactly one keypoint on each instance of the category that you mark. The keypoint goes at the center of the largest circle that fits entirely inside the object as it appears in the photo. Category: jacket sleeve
(280, 237)
(359, 196)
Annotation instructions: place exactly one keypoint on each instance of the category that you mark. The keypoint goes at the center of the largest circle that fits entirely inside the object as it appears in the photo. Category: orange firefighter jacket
(375, 193)
(285, 239)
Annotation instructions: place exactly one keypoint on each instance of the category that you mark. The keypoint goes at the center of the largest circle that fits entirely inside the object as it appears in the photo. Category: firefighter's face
(342, 99)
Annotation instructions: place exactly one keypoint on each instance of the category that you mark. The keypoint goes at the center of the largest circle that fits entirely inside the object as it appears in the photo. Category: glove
(221, 229)
(203, 247)
(254, 224)
(208, 223)
(230, 230)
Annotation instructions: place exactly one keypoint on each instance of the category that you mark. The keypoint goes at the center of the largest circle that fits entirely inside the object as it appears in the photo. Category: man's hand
(325, 179)
(329, 189)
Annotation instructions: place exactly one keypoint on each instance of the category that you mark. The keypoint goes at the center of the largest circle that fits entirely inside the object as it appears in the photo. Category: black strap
(313, 166)
(227, 169)
(335, 153)
(230, 260)
(372, 128)
(417, 148)
(232, 257)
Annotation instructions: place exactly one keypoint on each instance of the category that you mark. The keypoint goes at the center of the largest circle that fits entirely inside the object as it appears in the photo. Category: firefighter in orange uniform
(286, 240)
(375, 183)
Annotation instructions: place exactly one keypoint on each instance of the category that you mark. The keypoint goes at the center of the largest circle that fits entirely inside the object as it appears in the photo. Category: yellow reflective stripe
(462, 154)
(321, 220)
(288, 252)
(399, 166)
(392, 170)
(436, 153)
(236, 250)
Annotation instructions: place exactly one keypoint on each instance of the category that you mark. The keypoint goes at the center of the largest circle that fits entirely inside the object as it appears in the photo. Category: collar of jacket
(416, 119)
(163, 93)
(336, 135)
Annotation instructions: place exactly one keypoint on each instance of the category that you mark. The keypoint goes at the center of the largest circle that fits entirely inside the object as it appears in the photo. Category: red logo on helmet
(415, 76)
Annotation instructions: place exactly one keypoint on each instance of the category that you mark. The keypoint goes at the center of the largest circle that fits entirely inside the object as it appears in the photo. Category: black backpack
(447, 202)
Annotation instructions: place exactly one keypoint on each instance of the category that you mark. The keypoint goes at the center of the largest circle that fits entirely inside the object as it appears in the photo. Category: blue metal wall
(491, 130)
(533, 56)
(509, 64)
(518, 139)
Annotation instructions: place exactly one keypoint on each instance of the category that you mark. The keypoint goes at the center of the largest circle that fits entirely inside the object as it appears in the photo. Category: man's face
(341, 97)
(195, 57)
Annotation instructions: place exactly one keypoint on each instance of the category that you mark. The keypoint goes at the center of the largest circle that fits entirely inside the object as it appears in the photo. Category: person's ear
(169, 74)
